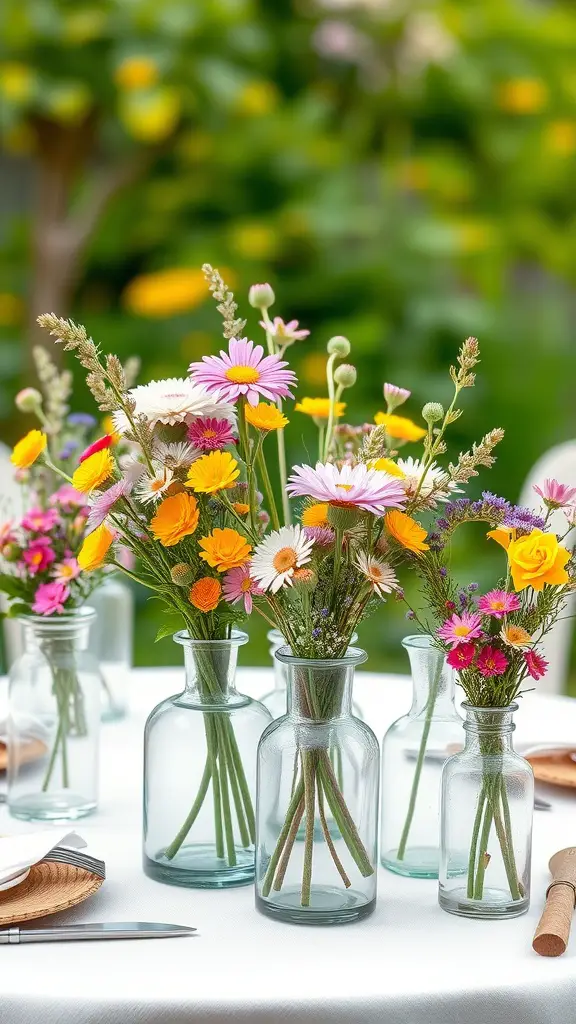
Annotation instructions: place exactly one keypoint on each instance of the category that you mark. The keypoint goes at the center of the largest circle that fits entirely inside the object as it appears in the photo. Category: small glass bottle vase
(111, 642)
(486, 820)
(413, 752)
(200, 773)
(317, 802)
(276, 699)
(54, 720)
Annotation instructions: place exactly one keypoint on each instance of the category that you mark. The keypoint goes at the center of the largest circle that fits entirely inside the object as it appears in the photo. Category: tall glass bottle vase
(200, 773)
(54, 720)
(413, 752)
(318, 769)
(486, 820)
(111, 642)
(276, 699)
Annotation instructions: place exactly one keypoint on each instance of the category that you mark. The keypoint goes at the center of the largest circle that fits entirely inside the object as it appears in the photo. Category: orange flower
(95, 470)
(316, 515)
(399, 427)
(265, 416)
(95, 548)
(176, 518)
(406, 531)
(28, 449)
(225, 549)
(213, 472)
(205, 594)
(241, 508)
(537, 559)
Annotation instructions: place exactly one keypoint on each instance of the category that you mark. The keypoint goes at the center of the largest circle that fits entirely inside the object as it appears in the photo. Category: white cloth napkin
(19, 853)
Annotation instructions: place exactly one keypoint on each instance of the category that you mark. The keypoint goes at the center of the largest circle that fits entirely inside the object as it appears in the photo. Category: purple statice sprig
(490, 508)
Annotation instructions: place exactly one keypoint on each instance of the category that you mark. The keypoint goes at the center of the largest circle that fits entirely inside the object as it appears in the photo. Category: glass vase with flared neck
(317, 800)
(200, 773)
(486, 820)
(413, 752)
(276, 700)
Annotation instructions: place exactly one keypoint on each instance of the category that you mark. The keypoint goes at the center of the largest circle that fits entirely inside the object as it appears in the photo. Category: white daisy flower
(380, 574)
(176, 454)
(151, 487)
(437, 485)
(279, 554)
(173, 401)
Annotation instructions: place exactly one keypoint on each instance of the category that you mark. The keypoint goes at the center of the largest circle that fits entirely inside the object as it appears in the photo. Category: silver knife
(113, 930)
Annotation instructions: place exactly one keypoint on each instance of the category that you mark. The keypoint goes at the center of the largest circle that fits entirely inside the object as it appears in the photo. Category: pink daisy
(209, 434)
(105, 502)
(537, 665)
(555, 494)
(348, 486)
(237, 585)
(322, 536)
(66, 570)
(461, 656)
(460, 629)
(39, 521)
(39, 555)
(285, 334)
(50, 598)
(491, 662)
(498, 603)
(103, 442)
(243, 371)
(68, 498)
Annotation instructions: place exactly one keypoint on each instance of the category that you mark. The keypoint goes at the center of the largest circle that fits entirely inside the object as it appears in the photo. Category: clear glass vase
(413, 752)
(318, 776)
(111, 642)
(276, 700)
(54, 720)
(486, 821)
(200, 773)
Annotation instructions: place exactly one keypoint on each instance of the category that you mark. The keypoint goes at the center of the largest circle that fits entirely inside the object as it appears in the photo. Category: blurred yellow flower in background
(25, 453)
(137, 72)
(254, 240)
(560, 137)
(257, 98)
(11, 309)
(69, 102)
(399, 427)
(164, 293)
(17, 81)
(313, 368)
(84, 25)
(150, 116)
(319, 408)
(522, 95)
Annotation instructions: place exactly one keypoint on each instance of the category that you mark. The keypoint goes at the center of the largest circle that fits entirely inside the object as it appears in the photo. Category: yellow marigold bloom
(537, 559)
(406, 531)
(27, 450)
(516, 636)
(522, 95)
(225, 549)
(503, 535)
(316, 515)
(136, 73)
(150, 116)
(95, 548)
(319, 408)
(93, 472)
(17, 81)
(399, 427)
(265, 416)
(176, 518)
(560, 137)
(166, 292)
(213, 472)
(205, 594)
(387, 466)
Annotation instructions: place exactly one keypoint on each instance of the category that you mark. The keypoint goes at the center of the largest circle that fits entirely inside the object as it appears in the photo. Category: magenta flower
(68, 498)
(209, 434)
(537, 665)
(461, 629)
(395, 396)
(39, 555)
(66, 570)
(50, 598)
(322, 536)
(285, 334)
(461, 656)
(103, 442)
(491, 662)
(498, 603)
(39, 521)
(554, 494)
(105, 502)
(348, 486)
(238, 585)
(243, 371)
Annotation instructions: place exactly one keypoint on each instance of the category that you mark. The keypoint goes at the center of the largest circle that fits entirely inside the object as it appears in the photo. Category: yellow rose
(537, 559)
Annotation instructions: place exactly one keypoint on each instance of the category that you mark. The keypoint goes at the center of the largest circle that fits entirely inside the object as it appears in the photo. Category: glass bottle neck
(320, 691)
(61, 633)
(489, 730)
(432, 677)
(210, 668)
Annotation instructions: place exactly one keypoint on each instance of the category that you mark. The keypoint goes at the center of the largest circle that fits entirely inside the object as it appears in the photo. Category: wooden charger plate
(554, 768)
(49, 888)
(31, 751)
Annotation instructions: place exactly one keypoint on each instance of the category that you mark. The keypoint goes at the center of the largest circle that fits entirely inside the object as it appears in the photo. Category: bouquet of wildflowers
(492, 639)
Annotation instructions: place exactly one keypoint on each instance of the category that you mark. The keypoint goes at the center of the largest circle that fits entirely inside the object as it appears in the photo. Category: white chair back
(558, 463)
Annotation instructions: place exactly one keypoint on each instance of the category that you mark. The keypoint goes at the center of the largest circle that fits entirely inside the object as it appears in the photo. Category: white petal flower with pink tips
(357, 486)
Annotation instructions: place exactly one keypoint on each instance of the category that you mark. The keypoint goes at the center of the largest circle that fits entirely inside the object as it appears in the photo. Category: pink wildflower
(491, 662)
(537, 665)
(39, 555)
(498, 603)
(38, 520)
(461, 656)
(237, 585)
(50, 598)
(554, 494)
(461, 629)
(244, 370)
(209, 434)
(66, 570)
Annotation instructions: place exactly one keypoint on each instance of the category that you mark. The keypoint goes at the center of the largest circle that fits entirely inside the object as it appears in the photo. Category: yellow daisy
(213, 472)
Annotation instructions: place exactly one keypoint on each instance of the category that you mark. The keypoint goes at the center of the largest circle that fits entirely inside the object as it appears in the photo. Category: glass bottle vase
(200, 773)
(486, 821)
(276, 699)
(413, 752)
(318, 777)
(54, 720)
(111, 642)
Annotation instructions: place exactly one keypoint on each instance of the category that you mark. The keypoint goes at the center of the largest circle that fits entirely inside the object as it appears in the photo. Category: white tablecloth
(409, 963)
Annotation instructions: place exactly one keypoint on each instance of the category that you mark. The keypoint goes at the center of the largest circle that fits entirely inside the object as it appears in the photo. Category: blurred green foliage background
(402, 172)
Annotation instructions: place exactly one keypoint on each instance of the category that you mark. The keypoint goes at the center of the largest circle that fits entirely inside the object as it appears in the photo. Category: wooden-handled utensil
(553, 931)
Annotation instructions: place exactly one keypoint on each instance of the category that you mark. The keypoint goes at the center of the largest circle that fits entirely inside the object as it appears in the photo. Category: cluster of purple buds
(490, 508)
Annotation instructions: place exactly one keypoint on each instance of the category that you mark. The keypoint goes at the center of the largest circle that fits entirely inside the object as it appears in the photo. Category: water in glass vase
(318, 770)
(276, 700)
(413, 751)
(486, 819)
(54, 721)
(200, 773)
